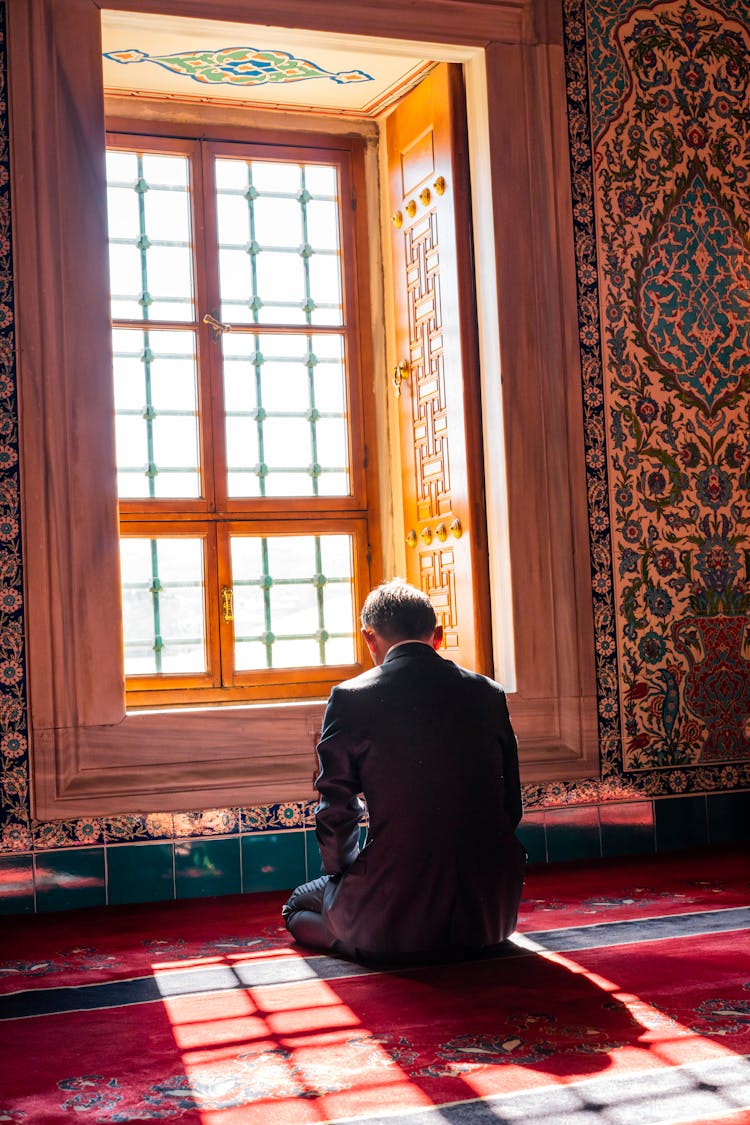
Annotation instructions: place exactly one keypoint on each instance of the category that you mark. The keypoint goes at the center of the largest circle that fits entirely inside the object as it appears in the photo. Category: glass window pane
(239, 386)
(249, 656)
(231, 175)
(284, 386)
(288, 484)
(286, 443)
(276, 176)
(167, 216)
(333, 484)
(165, 170)
(233, 217)
(291, 556)
(325, 279)
(340, 650)
(294, 609)
(169, 273)
(281, 276)
(321, 179)
(163, 605)
(298, 653)
(125, 272)
(331, 443)
(278, 222)
(235, 276)
(323, 225)
(288, 606)
(122, 209)
(122, 167)
(242, 443)
(330, 388)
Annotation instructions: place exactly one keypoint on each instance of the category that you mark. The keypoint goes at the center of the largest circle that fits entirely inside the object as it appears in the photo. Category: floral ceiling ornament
(239, 66)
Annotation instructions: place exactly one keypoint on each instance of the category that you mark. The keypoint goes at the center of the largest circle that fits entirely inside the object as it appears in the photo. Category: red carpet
(639, 1011)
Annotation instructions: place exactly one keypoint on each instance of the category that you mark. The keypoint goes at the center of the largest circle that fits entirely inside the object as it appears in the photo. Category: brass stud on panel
(440, 185)
(411, 208)
(411, 538)
(426, 536)
(397, 219)
(457, 529)
(425, 196)
(441, 532)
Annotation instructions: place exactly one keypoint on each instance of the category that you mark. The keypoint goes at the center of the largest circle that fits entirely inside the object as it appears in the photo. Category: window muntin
(227, 418)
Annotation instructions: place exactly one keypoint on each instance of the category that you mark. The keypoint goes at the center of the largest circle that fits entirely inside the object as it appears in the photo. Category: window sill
(169, 760)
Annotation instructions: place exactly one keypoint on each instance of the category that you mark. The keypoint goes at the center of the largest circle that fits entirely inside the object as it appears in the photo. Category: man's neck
(408, 641)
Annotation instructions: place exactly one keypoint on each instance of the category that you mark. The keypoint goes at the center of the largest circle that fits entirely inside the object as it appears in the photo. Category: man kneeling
(431, 747)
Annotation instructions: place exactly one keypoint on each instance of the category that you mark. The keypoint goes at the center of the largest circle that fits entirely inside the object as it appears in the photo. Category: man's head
(396, 612)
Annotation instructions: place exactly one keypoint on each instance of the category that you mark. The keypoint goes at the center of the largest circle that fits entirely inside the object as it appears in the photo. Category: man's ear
(437, 637)
(370, 640)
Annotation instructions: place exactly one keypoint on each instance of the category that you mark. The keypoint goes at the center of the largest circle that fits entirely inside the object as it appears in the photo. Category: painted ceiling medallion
(239, 66)
(693, 296)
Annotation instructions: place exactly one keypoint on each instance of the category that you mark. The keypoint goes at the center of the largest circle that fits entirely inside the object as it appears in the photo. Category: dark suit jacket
(431, 747)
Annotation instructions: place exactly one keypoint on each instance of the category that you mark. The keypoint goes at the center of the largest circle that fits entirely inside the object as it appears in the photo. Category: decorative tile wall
(661, 198)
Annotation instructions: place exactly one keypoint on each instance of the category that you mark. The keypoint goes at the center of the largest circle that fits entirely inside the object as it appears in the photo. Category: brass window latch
(400, 372)
(227, 603)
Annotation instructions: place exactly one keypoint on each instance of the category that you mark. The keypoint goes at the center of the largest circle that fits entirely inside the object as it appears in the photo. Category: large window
(93, 752)
(239, 435)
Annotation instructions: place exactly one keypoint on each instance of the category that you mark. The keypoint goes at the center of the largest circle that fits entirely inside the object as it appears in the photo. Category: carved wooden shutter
(437, 383)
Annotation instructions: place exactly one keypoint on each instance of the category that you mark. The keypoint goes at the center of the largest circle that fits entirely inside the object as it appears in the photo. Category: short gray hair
(397, 611)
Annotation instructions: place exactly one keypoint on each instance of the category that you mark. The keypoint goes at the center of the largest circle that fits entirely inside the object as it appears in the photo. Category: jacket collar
(411, 650)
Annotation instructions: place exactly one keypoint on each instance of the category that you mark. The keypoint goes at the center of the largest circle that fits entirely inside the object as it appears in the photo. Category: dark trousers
(303, 915)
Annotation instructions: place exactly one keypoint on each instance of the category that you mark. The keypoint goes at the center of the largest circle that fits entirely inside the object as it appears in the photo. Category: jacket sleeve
(338, 814)
(512, 802)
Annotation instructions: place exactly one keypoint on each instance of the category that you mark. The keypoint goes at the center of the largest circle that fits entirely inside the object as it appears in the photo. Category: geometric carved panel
(426, 360)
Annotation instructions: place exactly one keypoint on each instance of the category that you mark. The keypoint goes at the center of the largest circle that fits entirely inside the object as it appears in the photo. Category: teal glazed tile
(313, 862)
(207, 867)
(140, 873)
(16, 884)
(532, 835)
(68, 879)
(728, 817)
(573, 833)
(680, 823)
(627, 828)
(273, 861)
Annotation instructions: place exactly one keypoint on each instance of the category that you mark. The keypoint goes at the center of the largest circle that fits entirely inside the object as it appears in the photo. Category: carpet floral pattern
(236, 1032)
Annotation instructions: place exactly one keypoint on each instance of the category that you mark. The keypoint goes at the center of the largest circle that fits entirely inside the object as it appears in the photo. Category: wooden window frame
(350, 514)
(90, 757)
